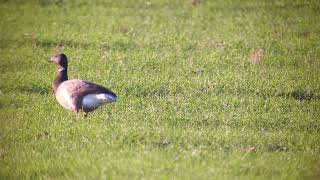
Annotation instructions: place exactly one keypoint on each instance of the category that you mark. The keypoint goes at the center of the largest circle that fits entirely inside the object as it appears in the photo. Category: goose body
(72, 94)
(78, 95)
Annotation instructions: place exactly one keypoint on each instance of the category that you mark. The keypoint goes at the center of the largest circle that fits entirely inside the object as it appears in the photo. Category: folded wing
(85, 93)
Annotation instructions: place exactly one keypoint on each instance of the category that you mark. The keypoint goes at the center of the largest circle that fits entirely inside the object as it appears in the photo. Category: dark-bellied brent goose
(78, 95)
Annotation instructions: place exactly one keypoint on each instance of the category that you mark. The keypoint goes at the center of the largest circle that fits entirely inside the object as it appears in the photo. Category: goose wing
(80, 88)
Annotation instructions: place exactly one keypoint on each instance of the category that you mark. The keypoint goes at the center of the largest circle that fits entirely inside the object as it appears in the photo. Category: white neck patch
(61, 69)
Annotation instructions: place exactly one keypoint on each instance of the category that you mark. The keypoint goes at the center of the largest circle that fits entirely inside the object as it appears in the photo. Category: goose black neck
(61, 76)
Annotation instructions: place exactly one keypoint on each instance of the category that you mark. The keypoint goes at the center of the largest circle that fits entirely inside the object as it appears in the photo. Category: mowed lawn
(207, 89)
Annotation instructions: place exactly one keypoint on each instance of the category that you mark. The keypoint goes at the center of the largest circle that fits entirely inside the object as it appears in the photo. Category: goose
(78, 95)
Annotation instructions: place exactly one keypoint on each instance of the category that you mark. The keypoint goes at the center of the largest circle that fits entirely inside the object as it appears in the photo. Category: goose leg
(85, 111)
(77, 115)
(77, 111)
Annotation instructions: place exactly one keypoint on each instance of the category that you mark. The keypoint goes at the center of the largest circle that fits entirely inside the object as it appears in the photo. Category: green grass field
(209, 90)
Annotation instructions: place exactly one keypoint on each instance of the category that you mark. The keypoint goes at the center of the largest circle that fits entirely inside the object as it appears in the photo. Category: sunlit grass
(208, 90)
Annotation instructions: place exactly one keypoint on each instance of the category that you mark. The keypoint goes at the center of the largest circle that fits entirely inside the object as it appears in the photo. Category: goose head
(60, 60)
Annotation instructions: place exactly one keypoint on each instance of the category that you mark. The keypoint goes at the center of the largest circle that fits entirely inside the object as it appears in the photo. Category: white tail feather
(96, 100)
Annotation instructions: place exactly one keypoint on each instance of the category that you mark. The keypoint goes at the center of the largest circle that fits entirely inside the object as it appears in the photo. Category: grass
(209, 90)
